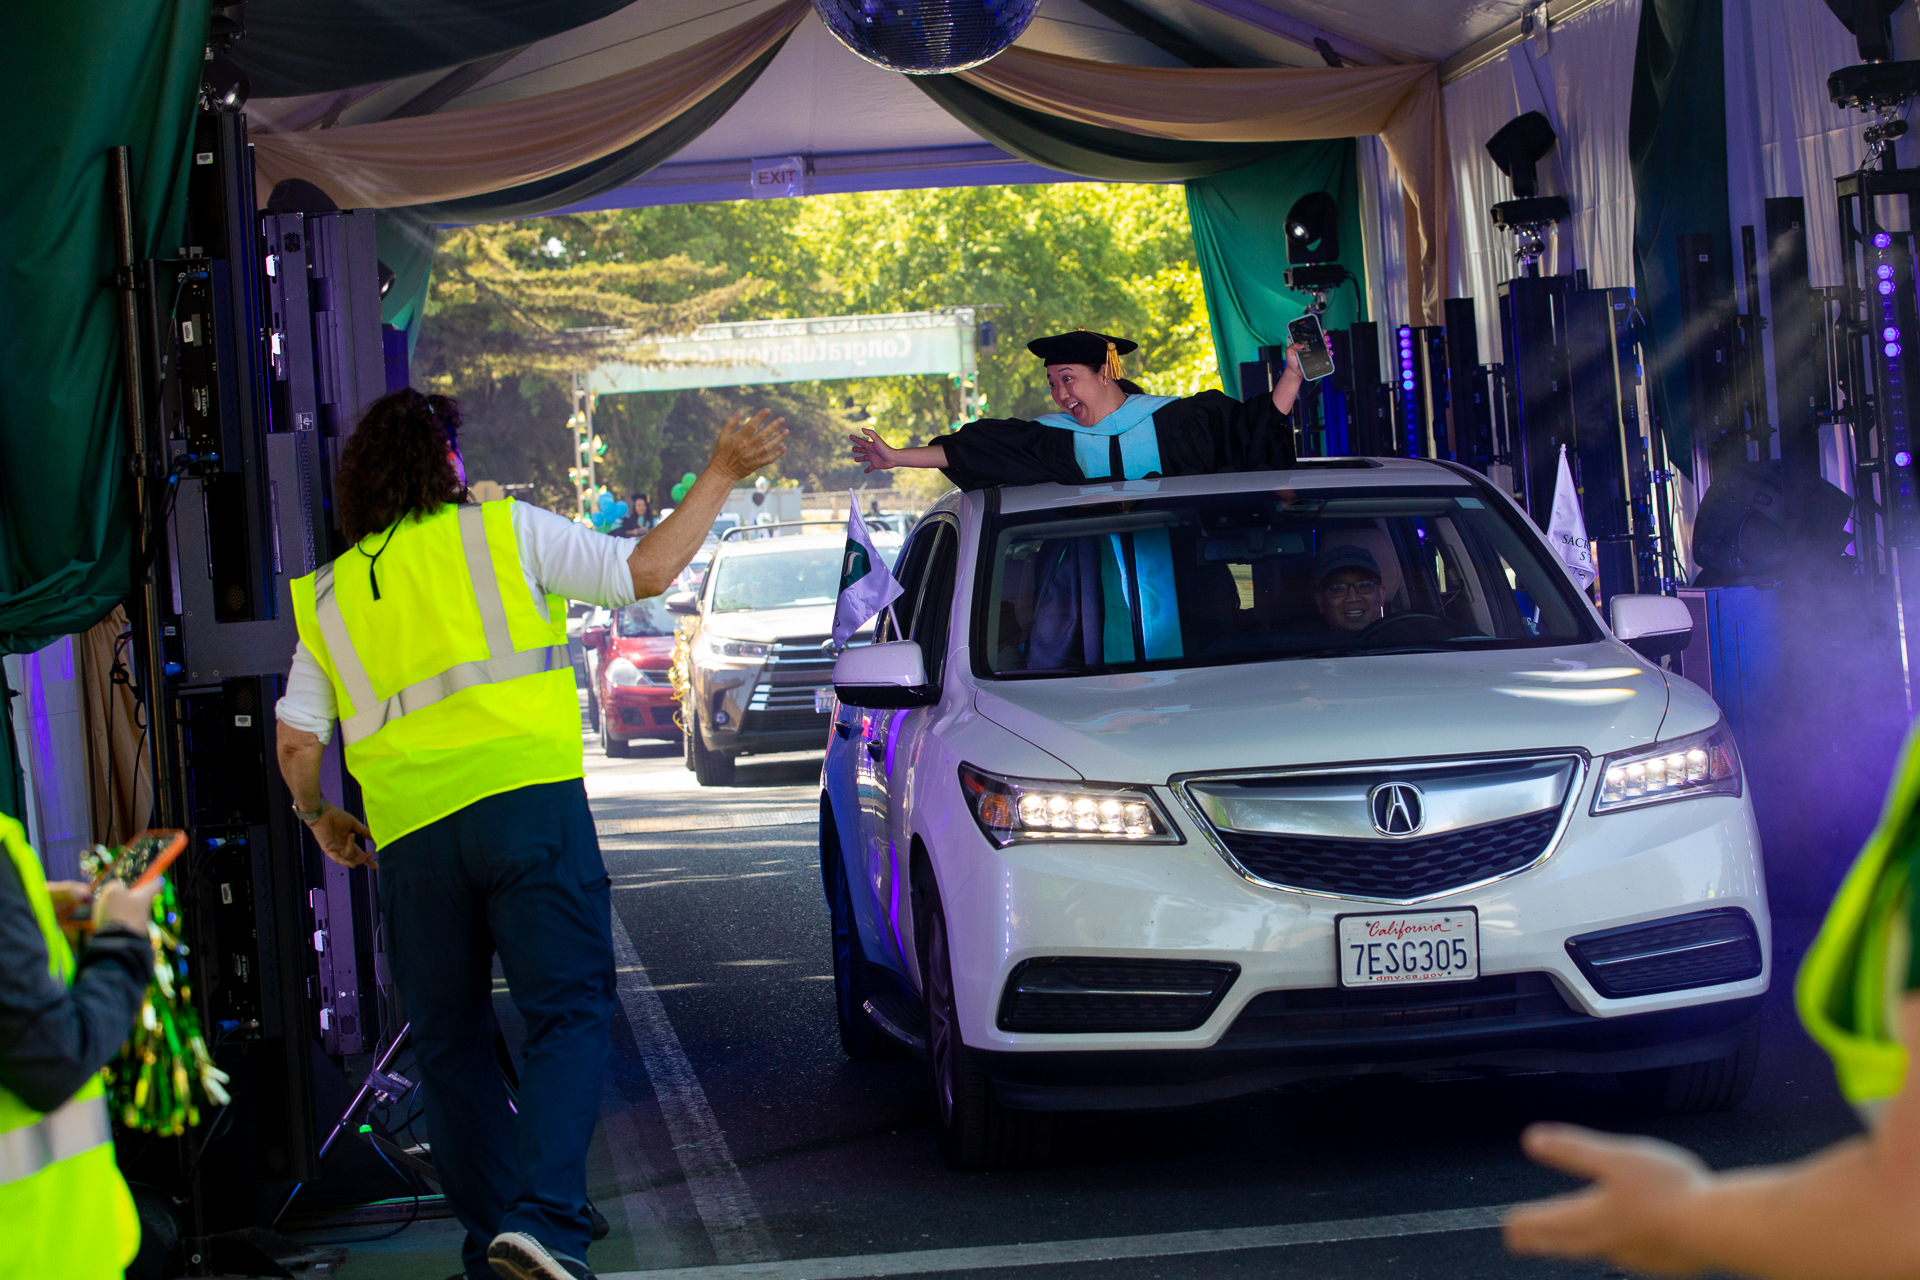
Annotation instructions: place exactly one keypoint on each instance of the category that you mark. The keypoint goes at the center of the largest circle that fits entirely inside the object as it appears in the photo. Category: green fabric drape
(1237, 232)
(1676, 144)
(1110, 155)
(111, 73)
(294, 47)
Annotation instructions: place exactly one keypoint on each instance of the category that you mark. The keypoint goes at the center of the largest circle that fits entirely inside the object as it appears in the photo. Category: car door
(906, 732)
(876, 886)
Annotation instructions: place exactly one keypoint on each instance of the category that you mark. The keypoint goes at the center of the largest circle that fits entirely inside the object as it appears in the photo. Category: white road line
(708, 822)
(1105, 1249)
(653, 1240)
(719, 1192)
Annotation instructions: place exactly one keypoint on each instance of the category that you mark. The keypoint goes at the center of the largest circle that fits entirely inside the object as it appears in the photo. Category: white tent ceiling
(865, 128)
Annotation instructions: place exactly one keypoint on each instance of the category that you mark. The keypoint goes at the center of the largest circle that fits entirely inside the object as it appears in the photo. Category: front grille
(1393, 869)
(1341, 1013)
(801, 654)
(665, 715)
(783, 697)
(1078, 994)
(788, 721)
(1695, 950)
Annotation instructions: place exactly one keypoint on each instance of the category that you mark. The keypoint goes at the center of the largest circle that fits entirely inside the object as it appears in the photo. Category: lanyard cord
(374, 559)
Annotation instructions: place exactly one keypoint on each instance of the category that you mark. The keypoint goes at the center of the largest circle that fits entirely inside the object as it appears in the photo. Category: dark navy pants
(519, 874)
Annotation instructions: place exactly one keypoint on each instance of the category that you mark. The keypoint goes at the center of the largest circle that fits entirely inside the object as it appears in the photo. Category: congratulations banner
(820, 349)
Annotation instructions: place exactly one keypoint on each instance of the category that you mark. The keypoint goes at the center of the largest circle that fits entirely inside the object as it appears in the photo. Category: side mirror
(883, 676)
(1652, 626)
(593, 637)
(684, 603)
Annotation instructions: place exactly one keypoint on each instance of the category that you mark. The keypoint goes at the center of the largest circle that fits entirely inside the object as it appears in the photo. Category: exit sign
(779, 176)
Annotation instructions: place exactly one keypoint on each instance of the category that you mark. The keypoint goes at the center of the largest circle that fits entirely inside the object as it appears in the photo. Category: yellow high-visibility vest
(450, 685)
(1848, 989)
(66, 1208)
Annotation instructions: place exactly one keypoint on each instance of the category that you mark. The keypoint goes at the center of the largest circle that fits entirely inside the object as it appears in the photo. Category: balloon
(606, 502)
(679, 492)
(686, 481)
(619, 511)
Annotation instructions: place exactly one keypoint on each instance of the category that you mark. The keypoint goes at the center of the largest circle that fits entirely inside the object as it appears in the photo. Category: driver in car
(1348, 593)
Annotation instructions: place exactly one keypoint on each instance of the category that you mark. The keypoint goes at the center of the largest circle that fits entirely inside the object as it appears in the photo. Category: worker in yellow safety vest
(438, 642)
(1850, 1211)
(65, 1209)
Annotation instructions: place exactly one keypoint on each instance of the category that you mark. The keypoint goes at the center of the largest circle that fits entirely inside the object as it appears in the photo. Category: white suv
(1165, 791)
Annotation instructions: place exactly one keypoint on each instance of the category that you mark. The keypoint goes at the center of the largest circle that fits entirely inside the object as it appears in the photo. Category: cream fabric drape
(1289, 104)
(119, 785)
(452, 154)
(1581, 78)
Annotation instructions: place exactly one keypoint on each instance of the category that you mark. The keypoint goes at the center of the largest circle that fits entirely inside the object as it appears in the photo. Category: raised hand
(745, 447)
(873, 453)
(1628, 1216)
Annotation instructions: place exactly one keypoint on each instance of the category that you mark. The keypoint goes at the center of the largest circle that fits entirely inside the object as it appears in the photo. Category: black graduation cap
(1095, 350)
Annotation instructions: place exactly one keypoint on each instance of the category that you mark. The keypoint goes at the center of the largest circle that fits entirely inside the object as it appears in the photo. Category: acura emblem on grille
(1396, 808)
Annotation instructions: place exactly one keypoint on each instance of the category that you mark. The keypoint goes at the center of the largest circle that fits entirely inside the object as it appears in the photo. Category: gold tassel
(1112, 368)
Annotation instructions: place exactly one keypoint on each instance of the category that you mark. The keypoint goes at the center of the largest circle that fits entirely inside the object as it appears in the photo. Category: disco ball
(926, 37)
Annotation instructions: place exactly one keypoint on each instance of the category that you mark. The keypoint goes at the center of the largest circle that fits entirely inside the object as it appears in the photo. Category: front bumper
(640, 711)
(1006, 906)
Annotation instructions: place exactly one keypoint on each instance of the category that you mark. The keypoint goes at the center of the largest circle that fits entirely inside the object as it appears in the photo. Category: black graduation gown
(1199, 435)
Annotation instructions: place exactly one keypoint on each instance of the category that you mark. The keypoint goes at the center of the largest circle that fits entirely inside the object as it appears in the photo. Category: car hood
(1148, 726)
(770, 624)
(644, 650)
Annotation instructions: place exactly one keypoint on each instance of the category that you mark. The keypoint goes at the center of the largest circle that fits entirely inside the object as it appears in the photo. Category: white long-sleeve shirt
(560, 558)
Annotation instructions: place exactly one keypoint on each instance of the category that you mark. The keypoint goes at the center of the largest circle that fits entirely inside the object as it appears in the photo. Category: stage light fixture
(1889, 257)
(1313, 229)
(223, 86)
(1882, 240)
(926, 37)
(1892, 349)
(1409, 393)
(1890, 334)
(1903, 459)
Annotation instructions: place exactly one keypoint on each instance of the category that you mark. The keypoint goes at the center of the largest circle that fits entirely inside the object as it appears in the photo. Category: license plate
(823, 699)
(1413, 946)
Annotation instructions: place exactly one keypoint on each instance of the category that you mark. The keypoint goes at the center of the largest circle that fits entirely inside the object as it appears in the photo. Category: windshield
(647, 617)
(776, 579)
(1230, 578)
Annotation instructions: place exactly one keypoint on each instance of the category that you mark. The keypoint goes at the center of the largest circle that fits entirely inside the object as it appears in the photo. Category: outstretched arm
(742, 449)
(1846, 1213)
(1287, 389)
(875, 454)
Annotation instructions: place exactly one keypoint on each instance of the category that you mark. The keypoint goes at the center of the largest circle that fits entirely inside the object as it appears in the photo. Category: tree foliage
(516, 308)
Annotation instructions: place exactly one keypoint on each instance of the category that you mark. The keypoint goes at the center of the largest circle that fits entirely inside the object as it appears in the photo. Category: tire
(615, 748)
(710, 768)
(860, 1038)
(1718, 1084)
(686, 736)
(975, 1131)
(593, 711)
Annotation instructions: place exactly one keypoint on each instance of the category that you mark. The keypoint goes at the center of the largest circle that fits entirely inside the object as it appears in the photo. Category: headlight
(1705, 764)
(1010, 809)
(622, 673)
(738, 648)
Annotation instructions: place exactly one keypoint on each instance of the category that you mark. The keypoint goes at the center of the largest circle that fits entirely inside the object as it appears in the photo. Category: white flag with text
(866, 584)
(1567, 529)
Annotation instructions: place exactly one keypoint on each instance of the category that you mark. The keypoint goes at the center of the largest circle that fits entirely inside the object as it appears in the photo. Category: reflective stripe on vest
(502, 663)
(81, 1125)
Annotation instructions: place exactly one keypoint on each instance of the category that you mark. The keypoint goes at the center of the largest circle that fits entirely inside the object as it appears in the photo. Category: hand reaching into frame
(873, 453)
(744, 447)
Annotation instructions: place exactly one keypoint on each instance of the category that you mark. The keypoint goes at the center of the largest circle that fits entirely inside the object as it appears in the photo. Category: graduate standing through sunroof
(1107, 427)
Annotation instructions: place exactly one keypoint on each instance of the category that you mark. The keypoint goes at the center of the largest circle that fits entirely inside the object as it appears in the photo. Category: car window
(910, 568)
(776, 579)
(1230, 578)
(930, 619)
(647, 617)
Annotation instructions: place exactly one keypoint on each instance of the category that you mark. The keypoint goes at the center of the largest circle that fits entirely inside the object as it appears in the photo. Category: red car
(629, 694)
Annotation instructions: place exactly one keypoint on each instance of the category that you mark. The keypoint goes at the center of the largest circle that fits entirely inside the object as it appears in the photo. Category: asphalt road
(737, 1141)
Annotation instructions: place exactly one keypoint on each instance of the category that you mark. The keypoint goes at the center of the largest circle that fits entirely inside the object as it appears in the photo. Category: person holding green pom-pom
(67, 1211)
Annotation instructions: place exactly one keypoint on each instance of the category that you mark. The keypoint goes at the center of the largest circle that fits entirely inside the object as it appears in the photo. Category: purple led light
(1886, 287)
(1884, 271)
(1882, 241)
(1890, 334)
(1406, 384)
(1903, 459)
(1892, 349)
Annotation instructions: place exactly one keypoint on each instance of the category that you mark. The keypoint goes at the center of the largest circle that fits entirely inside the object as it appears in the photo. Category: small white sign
(776, 177)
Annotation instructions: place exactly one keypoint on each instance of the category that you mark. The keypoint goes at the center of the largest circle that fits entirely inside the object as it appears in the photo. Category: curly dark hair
(396, 463)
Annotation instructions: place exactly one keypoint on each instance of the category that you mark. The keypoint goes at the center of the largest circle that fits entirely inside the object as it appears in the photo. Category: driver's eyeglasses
(1341, 590)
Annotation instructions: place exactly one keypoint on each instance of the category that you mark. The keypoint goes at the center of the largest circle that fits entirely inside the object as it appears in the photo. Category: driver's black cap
(1080, 347)
(1335, 559)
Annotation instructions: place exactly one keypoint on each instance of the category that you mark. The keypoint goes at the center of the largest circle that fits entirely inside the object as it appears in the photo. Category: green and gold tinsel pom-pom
(164, 1072)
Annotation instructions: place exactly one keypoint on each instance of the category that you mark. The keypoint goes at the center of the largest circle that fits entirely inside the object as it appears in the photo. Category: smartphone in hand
(1315, 361)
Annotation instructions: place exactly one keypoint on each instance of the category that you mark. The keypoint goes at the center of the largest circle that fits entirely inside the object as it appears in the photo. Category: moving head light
(1313, 245)
(1517, 150)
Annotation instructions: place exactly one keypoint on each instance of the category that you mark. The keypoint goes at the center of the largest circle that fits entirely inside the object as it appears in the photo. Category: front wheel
(860, 1038)
(710, 768)
(975, 1131)
(1718, 1084)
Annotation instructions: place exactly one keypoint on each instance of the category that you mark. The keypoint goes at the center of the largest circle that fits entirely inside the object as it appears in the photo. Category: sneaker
(518, 1256)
